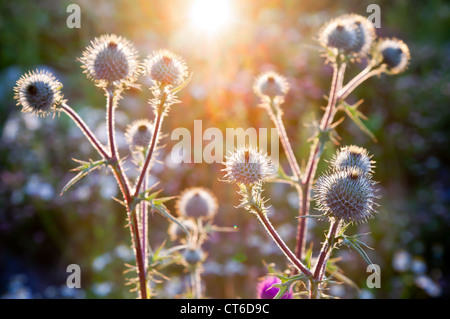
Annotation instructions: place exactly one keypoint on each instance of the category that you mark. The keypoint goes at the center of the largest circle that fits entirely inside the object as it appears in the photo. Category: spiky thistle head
(139, 134)
(193, 256)
(365, 33)
(38, 92)
(197, 202)
(352, 156)
(166, 68)
(110, 59)
(339, 33)
(393, 53)
(346, 195)
(247, 165)
(270, 84)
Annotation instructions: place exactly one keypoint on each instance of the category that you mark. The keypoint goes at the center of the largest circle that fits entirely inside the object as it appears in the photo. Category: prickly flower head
(248, 165)
(38, 92)
(110, 59)
(166, 68)
(353, 156)
(197, 202)
(139, 134)
(339, 33)
(365, 33)
(394, 54)
(193, 256)
(271, 84)
(346, 195)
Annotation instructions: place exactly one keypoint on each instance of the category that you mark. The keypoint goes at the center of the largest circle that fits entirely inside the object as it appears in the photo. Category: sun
(210, 16)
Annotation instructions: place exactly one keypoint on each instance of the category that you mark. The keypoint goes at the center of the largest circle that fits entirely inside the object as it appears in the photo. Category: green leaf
(84, 169)
(157, 205)
(355, 243)
(356, 116)
(182, 85)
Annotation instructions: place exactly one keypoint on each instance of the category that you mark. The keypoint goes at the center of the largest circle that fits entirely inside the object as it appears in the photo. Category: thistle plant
(346, 194)
(111, 62)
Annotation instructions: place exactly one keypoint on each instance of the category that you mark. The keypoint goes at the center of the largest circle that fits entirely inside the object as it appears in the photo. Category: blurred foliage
(41, 233)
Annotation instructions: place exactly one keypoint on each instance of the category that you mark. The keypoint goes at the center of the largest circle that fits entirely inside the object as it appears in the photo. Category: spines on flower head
(197, 202)
(351, 34)
(346, 195)
(247, 165)
(353, 156)
(166, 68)
(393, 53)
(139, 134)
(38, 92)
(193, 256)
(270, 84)
(110, 59)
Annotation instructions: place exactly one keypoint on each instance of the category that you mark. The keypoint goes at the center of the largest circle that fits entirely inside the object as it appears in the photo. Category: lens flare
(210, 16)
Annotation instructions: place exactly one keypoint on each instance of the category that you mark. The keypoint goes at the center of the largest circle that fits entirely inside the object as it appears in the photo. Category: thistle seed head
(166, 68)
(110, 59)
(38, 92)
(365, 33)
(271, 84)
(353, 156)
(339, 33)
(139, 134)
(193, 256)
(197, 202)
(346, 195)
(248, 165)
(394, 54)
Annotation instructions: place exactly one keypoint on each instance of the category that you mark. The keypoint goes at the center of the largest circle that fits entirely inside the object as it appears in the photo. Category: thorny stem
(123, 185)
(275, 114)
(314, 157)
(357, 80)
(85, 129)
(324, 255)
(159, 117)
(196, 281)
(276, 237)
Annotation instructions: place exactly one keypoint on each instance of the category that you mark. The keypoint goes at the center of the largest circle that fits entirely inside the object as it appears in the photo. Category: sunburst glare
(210, 16)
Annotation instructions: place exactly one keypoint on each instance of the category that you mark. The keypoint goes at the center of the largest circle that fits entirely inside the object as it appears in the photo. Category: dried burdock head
(247, 165)
(176, 232)
(339, 33)
(166, 68)
(394, 54)
(353, 156)
(193, 256)
(38, 92)
(270, 84)
(197, 202)
(264, 289)
(346, 195)
(139, 134)
(110, 60)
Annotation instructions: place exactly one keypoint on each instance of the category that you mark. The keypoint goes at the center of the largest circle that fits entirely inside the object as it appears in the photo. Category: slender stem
(159, 118)
(196, 281)
(275, 114)
(325, 252)
(357, 80)
(260, 212)
(314, 157)
(123, 183)
(143, 208)
(85, 129)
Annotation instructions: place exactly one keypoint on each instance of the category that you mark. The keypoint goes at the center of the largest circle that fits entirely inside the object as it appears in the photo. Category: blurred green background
(41, 232)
